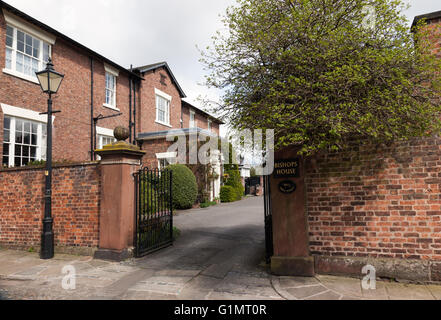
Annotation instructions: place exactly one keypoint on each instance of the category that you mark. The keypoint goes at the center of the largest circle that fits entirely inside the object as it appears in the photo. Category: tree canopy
(317, 74)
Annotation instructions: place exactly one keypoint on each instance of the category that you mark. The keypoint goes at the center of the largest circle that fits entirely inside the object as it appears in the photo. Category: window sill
(21, 76)
(163, 124)
(110, 107)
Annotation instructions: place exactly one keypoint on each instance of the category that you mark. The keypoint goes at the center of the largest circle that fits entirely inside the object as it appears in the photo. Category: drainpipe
(130, 104)
(134, 112)
(92, 122)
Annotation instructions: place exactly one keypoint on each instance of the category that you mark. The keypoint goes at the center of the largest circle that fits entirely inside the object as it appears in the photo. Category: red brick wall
(152, 147)
(201, 120)
(368, 202)
(75, 208)
(147, 100)
(72, 127)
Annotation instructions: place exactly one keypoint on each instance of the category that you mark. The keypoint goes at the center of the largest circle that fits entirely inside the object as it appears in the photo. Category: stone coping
(54, 166)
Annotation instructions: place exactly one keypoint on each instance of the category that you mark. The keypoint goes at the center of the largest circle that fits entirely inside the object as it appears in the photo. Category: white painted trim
(111, 70)
(110, 107)
(163, 94)
(167, 155)
(163, 124)
(21, 75)
(25, 26)
(104, 131)
(24, 113)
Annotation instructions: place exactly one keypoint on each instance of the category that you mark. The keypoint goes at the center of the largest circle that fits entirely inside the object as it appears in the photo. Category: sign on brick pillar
(119, 161)
(290, 230)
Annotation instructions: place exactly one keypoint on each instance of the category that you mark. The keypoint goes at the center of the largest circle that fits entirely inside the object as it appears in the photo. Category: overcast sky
(141, 32)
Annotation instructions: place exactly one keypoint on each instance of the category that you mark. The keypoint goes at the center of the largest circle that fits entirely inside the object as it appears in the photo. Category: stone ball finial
(121, 133)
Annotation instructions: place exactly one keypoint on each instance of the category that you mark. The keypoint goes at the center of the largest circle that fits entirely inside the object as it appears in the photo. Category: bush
(234, 181)
(184, 187)
(228, 194)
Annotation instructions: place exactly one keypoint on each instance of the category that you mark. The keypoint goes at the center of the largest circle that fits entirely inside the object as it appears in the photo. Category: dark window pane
(20, 36)
(33, 152)
(6, 161)
(26, 152)
(6, 135)
(34, 140)
(5, 149)
(17, 162)
(36, 53)
(28, 50)
(7, 123)
(25, 161)
(18, 137)
(28, 40)
(34, 128)
(18, 150)
(27, 127)
(19, 125)
(9, 31)
(45, 52)
(36, 43)
(9, 41)
(27, 138)
(20, 46)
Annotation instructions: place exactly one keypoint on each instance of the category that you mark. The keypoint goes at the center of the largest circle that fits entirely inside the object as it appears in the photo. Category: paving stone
(239, 297)
(345, 286)
(291, 282)
(435, 291)
(379, 293)
(305, 292)
(329, 295)
(347, 298)
(203, 283)
(218, 270)
(398, 291)
(31, 271)
(178, 272)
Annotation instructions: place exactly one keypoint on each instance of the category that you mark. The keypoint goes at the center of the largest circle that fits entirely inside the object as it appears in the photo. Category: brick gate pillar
(117, 214)
(290, 227)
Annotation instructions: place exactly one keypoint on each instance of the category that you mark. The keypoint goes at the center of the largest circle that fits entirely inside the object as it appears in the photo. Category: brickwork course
(75, 207)
(381, 203)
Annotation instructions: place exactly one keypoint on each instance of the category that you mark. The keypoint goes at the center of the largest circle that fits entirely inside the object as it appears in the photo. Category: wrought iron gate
(268, 219)
(154, 211)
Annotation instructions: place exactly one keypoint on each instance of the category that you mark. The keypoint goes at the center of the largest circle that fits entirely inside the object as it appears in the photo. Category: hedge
(184, 187)
(228, 194)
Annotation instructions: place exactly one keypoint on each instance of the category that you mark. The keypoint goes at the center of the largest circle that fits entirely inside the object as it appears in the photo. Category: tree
(317, 74)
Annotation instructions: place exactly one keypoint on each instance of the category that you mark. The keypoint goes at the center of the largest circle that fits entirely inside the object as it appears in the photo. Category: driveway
(219, 255)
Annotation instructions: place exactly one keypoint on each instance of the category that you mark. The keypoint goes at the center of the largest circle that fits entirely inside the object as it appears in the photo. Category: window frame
(29, 116)
(209, 125)
(41, 148)
(170, 157)
(193, 123)
(168, 99)
(14, 53)
(114, 73)
(101, 134)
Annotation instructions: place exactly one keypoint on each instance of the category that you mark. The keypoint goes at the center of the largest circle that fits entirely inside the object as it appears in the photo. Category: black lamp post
(50, 81)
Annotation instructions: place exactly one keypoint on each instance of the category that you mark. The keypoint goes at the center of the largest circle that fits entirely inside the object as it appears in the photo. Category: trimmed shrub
(184, 187)
(228, 194)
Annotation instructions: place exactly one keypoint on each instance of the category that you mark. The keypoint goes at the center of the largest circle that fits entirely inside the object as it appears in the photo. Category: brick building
(96, 96)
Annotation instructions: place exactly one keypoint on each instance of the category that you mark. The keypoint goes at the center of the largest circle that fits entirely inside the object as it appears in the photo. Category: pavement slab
(398, 291)
(219, 256)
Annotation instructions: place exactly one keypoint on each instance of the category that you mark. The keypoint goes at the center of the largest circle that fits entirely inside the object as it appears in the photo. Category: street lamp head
(49, 79)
